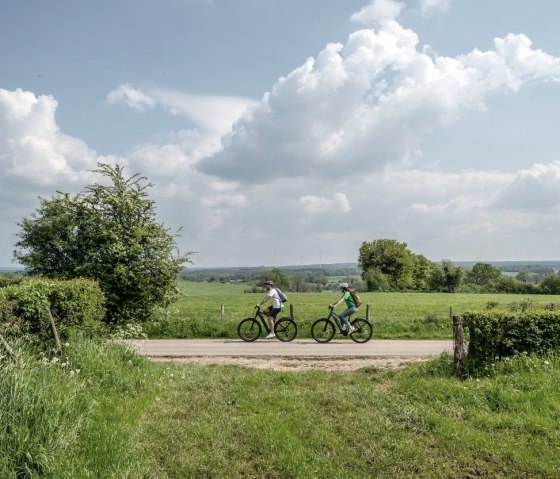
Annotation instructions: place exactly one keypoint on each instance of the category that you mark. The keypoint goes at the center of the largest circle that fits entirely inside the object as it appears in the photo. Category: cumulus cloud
(130, 96)
(33, 150)
(428, 7)
(378, 10)
(370, 102)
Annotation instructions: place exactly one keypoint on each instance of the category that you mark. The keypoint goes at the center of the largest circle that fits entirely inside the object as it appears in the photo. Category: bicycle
(285, 328)
(324, 329)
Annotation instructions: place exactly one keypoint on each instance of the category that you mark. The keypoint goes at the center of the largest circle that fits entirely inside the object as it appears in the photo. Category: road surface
(304, 348)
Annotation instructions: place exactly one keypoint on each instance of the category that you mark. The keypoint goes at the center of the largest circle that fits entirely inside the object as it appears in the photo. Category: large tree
(107, 232)
(389, 260)
(483, 274)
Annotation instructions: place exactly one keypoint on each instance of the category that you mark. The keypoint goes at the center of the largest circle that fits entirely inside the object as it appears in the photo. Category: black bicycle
(285, 328)
(324, 329)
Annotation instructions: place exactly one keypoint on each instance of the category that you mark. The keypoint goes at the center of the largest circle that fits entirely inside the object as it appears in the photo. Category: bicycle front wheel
(363, 330)
(249, 329)
(285, 329)
(322, 330)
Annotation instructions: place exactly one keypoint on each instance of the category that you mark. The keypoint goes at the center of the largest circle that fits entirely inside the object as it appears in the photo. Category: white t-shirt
(273, 294)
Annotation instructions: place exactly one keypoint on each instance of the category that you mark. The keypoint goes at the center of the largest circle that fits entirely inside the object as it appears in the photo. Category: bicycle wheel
(249, 329)
(285, 329)
(363, 330)
(322, 330)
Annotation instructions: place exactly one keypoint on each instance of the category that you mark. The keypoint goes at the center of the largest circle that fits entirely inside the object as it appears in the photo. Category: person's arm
(262, 301)
(337, 303)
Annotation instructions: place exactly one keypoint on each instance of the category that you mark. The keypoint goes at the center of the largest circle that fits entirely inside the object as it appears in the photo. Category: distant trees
(277, 276)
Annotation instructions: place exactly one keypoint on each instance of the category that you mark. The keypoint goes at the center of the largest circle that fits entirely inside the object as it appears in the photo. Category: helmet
(343, 285)
(269, 282)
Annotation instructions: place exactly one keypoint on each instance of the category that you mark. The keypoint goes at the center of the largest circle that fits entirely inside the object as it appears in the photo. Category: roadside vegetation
(99, 410)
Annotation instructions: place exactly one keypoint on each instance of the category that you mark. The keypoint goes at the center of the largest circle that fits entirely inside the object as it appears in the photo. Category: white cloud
(378, 10)
(130, 96)
(33, 151)
(320, 204)
(369, 103)
(428, 7)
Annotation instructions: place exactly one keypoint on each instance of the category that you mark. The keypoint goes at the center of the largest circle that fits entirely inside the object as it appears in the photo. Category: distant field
(395, 315)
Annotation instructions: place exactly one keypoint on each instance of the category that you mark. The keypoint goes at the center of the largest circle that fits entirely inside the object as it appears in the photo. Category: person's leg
(271, 314)
(345, 315)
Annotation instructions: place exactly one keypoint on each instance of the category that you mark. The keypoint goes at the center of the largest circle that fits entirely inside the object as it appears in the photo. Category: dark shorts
(273, 311)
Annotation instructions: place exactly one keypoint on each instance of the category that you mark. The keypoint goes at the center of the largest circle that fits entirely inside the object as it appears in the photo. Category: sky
(285, 132)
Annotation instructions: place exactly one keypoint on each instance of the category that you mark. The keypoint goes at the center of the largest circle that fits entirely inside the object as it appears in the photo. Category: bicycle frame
(264, 319)
(337, 321)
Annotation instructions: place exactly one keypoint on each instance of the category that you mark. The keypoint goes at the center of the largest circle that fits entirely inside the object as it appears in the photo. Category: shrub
(495, 334)
(77, 303)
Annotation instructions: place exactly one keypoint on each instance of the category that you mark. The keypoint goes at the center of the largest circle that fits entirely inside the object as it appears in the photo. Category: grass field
(102, 412)
(197, 313)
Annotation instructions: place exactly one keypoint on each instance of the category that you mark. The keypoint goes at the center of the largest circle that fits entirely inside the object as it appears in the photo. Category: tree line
(389, 265)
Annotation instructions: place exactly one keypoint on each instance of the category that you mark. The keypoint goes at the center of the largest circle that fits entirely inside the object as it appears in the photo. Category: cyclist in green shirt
(350, 305)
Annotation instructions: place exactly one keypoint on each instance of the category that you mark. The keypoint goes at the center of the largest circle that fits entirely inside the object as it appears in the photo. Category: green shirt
(349, 299)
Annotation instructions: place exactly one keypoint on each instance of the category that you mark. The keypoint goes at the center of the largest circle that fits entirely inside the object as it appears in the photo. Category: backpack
(283, 297)
(356, 298)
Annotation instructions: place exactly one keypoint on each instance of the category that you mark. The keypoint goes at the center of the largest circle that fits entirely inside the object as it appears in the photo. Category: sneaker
(270, 336)
(351, 329)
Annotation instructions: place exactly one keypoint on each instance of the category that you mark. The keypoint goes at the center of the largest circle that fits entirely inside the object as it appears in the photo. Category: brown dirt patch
(296, 364)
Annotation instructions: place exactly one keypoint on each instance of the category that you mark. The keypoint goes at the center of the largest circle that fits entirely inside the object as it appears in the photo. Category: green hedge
(496, 334)
(76, 303)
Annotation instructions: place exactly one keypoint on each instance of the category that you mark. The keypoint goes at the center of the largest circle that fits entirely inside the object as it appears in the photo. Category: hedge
(496, 334)
(77, 303)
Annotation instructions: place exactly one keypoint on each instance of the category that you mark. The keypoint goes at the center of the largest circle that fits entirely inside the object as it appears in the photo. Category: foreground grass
(123, 417)
(395, 315)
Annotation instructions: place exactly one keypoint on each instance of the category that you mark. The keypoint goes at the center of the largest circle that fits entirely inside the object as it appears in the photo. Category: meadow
(101, 411)
(197, 313)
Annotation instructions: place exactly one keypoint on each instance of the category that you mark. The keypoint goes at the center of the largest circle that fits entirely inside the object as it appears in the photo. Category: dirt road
(298, 355)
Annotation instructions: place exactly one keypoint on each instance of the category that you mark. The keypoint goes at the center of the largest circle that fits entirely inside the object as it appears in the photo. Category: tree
(107, 232)
(483, 274)
(391, 258)
(524, 275)
(277, 276)
(446, 277)
(550, 284)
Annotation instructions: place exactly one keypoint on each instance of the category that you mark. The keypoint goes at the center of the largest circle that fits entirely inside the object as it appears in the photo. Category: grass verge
(121, 416)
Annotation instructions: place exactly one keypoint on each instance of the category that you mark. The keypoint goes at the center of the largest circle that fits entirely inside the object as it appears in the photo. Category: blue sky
(285, 132)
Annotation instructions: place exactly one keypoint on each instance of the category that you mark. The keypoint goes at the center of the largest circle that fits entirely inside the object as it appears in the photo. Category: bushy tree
(550, 284)
(109, 233)
(391, 258)
(446, 277)
(483, 274)
(277, 276)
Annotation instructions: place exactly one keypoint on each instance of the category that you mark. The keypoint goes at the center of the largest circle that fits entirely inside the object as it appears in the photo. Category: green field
(103, 412)
(197, 313)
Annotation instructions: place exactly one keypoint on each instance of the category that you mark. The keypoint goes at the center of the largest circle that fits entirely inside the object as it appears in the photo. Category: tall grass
(73, 415)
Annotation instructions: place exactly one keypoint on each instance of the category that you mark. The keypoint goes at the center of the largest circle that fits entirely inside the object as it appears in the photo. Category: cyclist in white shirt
(271, 312)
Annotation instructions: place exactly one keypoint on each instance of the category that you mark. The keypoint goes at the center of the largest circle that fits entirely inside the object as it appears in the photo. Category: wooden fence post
(291, 311)
(458, 345)
(368, 312)
(222, 311)
(53, 330)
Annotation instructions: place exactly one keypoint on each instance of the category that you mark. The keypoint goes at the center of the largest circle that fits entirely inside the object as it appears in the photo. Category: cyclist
(351, 307)
(272, 311)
